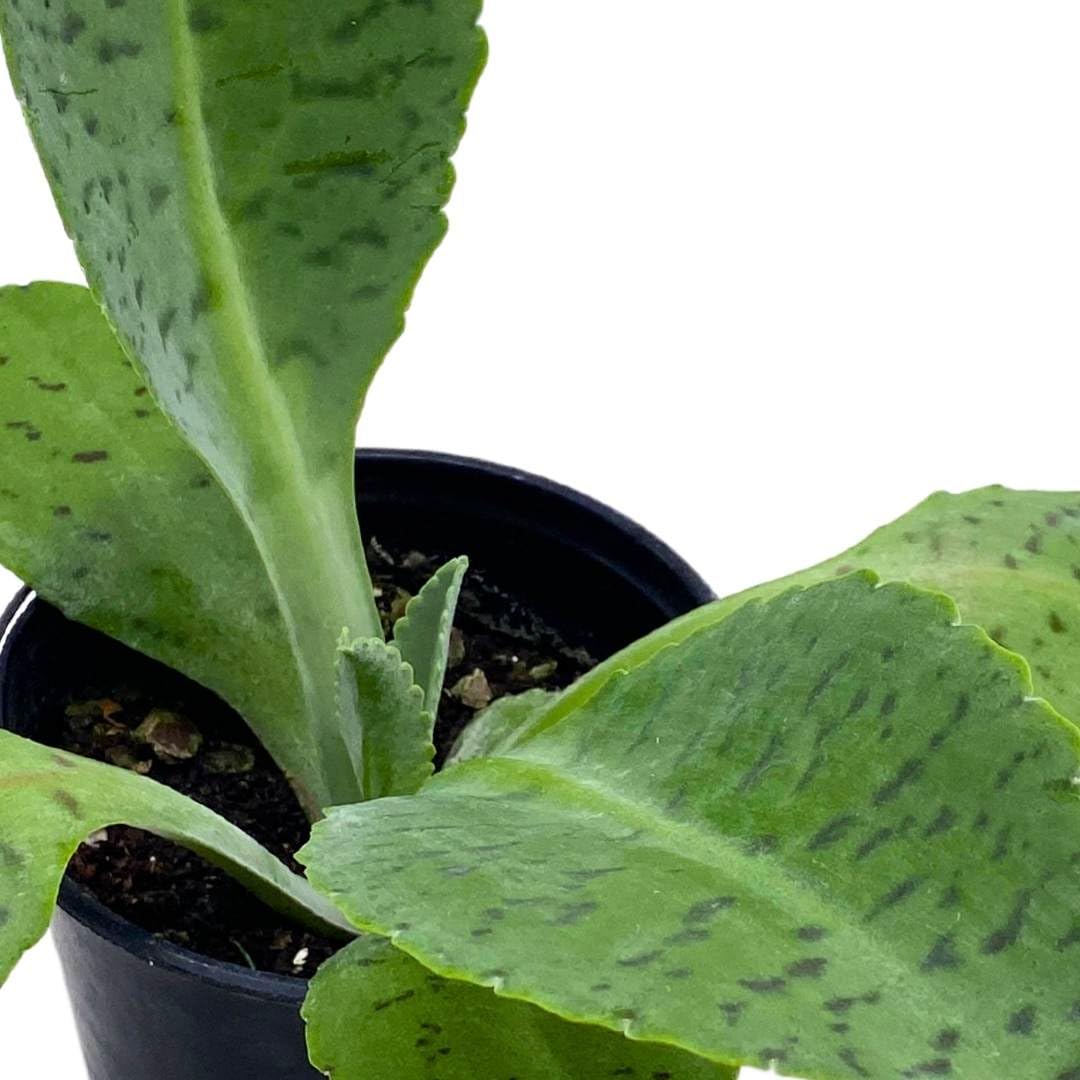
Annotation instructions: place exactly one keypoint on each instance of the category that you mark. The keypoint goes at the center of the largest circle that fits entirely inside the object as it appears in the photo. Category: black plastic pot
(149, 1010)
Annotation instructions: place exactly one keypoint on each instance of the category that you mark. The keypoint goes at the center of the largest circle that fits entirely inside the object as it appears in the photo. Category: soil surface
(499, 647)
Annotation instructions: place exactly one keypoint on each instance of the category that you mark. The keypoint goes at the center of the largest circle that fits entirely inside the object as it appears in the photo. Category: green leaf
(1010, 559)
(53, 801)
(501, 726)
(375, 1014)
(113, 518)
(253, 190)
(423, 632)
(393, 747)
(824, 833)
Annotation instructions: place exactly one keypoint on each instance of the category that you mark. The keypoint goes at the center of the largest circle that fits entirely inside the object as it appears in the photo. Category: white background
(762, 275)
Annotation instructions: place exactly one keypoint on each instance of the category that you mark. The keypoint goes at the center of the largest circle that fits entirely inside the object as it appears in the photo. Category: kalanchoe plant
(825, 825)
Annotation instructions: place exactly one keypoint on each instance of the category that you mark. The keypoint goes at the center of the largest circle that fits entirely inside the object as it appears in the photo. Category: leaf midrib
(213, 233)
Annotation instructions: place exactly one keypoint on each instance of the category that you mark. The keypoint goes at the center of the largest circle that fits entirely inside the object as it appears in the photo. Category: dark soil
(500, 647)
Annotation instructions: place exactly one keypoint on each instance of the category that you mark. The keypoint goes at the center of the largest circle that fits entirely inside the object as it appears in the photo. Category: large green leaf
(1010, 559)
(374, 1013)
(112, 517)
(253, 190)
(832, 832)
(53, 801)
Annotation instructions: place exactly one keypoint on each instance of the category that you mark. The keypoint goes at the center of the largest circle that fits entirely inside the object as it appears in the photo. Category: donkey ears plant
(253, 193)
(824, 825)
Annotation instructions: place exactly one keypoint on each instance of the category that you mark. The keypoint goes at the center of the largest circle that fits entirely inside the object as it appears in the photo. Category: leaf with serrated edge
(253, 190)
(423, 632)
(501, 726)
(838, 814)
(396, 755)
(112, 517)
(1010, 560)
(53, 801)
(374, 1013)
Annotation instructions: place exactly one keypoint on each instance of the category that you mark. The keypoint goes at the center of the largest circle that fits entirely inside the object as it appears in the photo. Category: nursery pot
(150, 1010)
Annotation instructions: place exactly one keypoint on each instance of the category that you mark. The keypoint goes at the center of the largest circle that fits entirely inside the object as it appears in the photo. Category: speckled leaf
(832, 832)
(1010, 559)
(423, 632)
(501, 726)
(53, 801)
(108, 513)
(374, 1013)
(392, 744)
(253, 190)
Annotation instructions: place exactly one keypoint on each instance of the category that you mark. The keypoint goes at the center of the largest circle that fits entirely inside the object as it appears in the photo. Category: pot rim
(80, 904)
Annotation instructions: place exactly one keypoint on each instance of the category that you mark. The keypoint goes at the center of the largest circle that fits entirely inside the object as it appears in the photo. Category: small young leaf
(53, 801)
(838, 815)
(501, 726)
(374, 1013)
(393, 747)
(108, 513)
(423, 632)
(1010, 560)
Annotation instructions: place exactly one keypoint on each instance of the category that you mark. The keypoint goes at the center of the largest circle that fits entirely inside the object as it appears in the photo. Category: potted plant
(825, 826)
(349, 129)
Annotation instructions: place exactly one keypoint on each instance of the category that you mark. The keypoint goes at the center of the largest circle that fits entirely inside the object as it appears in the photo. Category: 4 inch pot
(149, 1010)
